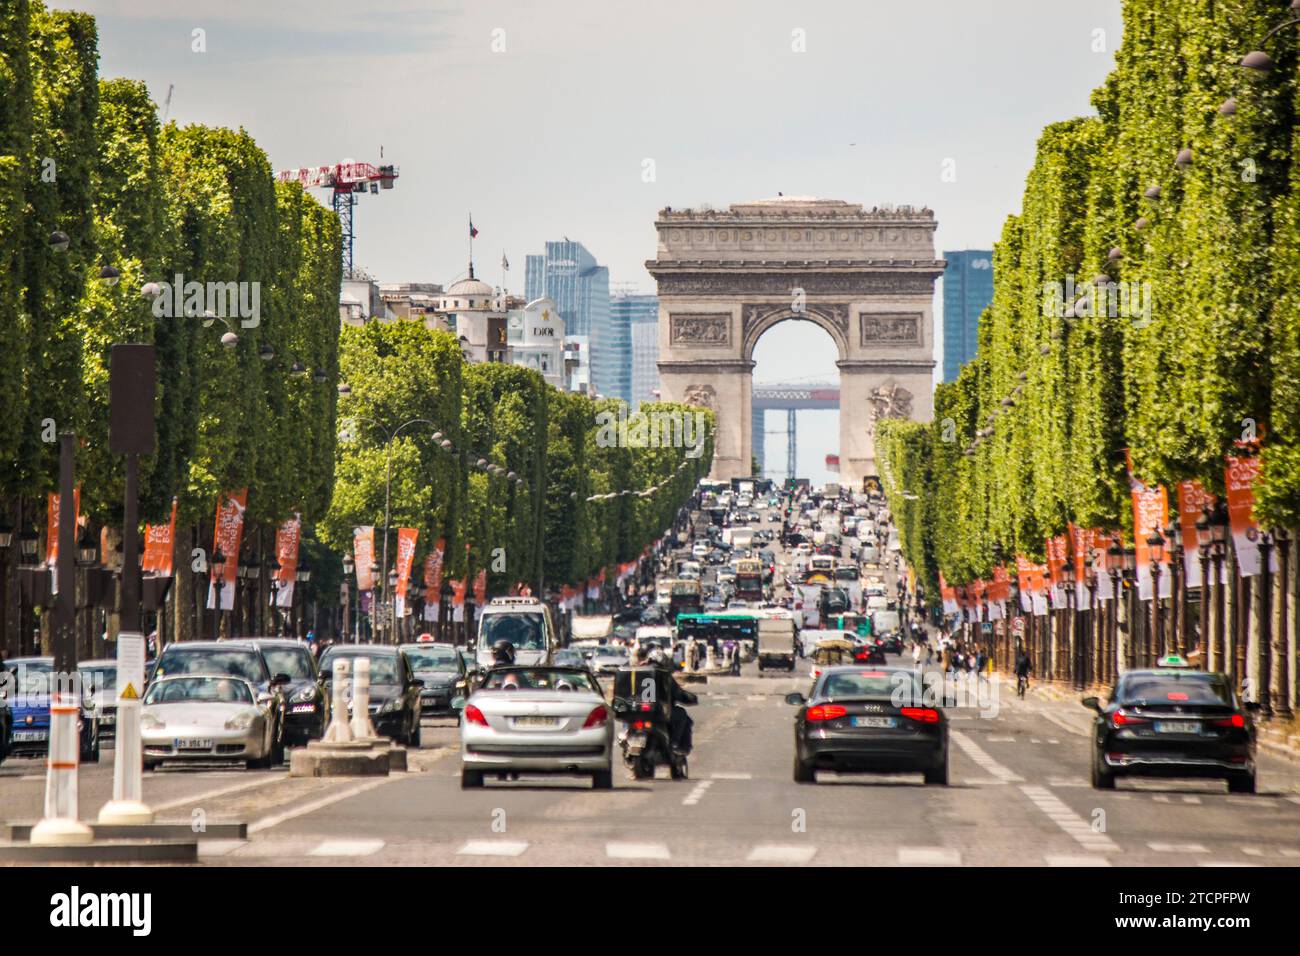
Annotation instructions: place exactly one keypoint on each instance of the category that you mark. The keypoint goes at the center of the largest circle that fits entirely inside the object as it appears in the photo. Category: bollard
(361, 726)
(339, 730)
(710, 657)
(61, 826)
(127, 805)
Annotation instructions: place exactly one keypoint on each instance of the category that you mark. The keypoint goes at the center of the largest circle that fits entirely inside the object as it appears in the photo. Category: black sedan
(394, 689)
(1173, 722)
(306, 704)
(443, 672)
(869, 719)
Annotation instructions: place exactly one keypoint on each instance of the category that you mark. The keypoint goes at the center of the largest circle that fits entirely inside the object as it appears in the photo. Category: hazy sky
(539, 116)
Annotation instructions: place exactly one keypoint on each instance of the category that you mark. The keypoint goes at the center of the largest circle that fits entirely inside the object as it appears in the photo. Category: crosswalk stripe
(637, 851)
(1076, 861)
(928, 856)
(1178, 848)
(493, 848)
(347, 848)
(731, 776)
(1070, 822)
(773, 853)
(986, 763)
(695, 795)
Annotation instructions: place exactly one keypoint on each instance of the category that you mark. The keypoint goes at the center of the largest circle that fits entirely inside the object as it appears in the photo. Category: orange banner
(433, 570)
(480, 588)
(228, 534)
(406, 538)
(158, 545)
(363, 555)
(1150, 513)
(1239, 482)
(52, 527)
(1192, 500)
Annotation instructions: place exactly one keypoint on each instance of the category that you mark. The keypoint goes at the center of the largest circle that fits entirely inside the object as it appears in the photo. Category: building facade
(639, 315)
(569, 276)
(967, 292)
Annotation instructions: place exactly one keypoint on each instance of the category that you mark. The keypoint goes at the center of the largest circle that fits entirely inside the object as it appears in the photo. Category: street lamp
(1217, 519)
(1156, 551)
(375, 626)
(219, 573)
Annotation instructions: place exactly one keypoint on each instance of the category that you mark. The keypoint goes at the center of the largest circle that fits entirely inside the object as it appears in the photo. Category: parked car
(307, 704)
(29, 710)
(537, 720)
(208, 717)
(442, 672)
(394, 689)
(99, 681)
(241, 659)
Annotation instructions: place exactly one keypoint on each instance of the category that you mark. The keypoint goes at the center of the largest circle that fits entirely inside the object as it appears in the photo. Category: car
(99, 683)
(441, 670)
(726, 574)
(394, 689)
(29, 711)
(569, 657)
(230, 658)
(774, 516)
(869, 719)
(306, 703)
(608, 659)
(870, 652)
(207, 717)
(537, 720)
(1173, 721)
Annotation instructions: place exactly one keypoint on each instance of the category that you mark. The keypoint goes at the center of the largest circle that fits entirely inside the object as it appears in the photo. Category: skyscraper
(639, 314)
(967, 292)
(570, 276)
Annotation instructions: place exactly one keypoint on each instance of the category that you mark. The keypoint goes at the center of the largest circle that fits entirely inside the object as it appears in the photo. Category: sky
(583, 118)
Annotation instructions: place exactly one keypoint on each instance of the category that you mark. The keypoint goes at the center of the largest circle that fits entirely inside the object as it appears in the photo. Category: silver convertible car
(537, 720)
(205, 717)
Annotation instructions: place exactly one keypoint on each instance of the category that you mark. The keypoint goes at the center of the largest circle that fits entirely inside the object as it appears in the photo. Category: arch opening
(796, 399)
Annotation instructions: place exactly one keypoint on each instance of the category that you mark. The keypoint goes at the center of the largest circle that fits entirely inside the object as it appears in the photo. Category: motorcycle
(642, 705)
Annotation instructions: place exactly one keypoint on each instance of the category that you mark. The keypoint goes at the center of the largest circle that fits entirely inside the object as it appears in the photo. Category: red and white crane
(347, 180)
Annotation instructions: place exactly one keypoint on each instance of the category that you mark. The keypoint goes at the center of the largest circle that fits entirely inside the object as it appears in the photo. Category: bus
(749, 579)
(684, 597)
(714, 629)
(821, 569)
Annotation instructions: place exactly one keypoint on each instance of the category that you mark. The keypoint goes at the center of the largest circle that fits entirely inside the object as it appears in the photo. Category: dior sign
(890, 328)
(708, 330)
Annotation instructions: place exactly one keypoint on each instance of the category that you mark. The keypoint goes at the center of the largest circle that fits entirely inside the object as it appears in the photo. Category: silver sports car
(537, 720)
(205, 717)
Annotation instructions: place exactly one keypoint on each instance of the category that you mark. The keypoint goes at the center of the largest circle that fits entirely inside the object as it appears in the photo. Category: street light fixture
(59, 241)
(27, 543)
(6, 534)
(87, 549)
(348, 564)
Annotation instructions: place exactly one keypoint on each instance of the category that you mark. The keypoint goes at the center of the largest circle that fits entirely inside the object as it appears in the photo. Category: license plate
(873, 722)
(1178, 727)
(25, 735)
(192, 743)
(537, 721)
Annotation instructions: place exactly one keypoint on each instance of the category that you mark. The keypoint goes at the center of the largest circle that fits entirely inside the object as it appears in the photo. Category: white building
(536, 337)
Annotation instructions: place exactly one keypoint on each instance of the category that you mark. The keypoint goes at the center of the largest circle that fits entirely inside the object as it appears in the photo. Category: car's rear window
(865, 683)
(237, 663)
(538, 678)
(1180, 689)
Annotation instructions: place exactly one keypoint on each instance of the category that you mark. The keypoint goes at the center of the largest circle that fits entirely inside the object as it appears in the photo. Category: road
(1019, 796)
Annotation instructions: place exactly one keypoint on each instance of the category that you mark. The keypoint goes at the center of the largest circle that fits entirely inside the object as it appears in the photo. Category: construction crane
(347, 180)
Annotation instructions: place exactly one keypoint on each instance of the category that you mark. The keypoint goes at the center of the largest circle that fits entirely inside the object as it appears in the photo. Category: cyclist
(1024, 667)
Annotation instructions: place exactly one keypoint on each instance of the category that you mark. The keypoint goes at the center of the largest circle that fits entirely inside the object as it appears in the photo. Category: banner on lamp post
(1239, 482)
(363, 556)
(159, 543)
(1192, 500)
(406, 538)
(287, 539)
(226, 539)
(433, 580)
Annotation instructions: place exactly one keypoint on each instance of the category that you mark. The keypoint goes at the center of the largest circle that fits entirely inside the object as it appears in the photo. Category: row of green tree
(1180, 203)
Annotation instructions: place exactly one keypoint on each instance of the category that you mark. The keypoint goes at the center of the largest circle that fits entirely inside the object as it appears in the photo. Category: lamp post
(1177, 610)
(1072, 620)
(1115, 567)
(1130, 576)
(1156, 552)
(347, 573)
(375, 587)
(1218, 524)
(390, 609)
(301, 576)
(219, 578)
(1203, 553)
(1263, 585)
(1281, 686)
(28, 542)
(1094, 620)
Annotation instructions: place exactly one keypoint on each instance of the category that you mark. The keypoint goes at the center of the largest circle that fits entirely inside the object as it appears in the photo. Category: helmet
(656, 655)
(503, 652)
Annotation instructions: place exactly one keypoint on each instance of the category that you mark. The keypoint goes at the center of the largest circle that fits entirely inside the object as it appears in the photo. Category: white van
(523, 621)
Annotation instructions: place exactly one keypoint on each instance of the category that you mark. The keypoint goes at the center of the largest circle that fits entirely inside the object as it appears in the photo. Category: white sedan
(537, 720)
(205, 717)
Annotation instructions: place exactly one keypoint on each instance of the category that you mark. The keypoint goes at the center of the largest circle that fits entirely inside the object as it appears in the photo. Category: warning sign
(130, 665)
(129, 692)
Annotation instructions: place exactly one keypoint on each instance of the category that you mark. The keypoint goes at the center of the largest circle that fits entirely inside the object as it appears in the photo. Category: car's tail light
(825, 712)
(475, 716)
(1236, 720)
(596, 718)
(924, 715)
(1121, 719)
(645, 706)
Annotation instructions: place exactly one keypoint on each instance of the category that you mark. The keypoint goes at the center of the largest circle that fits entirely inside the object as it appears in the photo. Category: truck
(776, 643)
(740, 539)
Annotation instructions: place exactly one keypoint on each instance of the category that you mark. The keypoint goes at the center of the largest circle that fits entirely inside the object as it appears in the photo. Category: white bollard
(361, 726)
(710, 658)
(339, 730)
(127, 805)
(61, 826)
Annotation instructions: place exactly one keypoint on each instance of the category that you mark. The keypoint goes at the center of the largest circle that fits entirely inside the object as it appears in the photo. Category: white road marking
(1223, 863)
(1034, 740)
(983, 782)
(1069, 821)
(637, 851)
(347, 848)
(212, 794)
(493, 848)
(986, 763)
(758, 697)
(695, 795)
(773, 853)
(32, 776)
(1053, 741)
(304, 808)
(1252, 851)
(1077, 861)
(928, 856)
(219, 847)
(1002, 739)
(731, 776)
(1191, 799)
(1178, 848)
(1067, 782)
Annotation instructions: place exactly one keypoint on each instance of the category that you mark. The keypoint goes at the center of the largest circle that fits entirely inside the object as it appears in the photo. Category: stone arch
(759, 319)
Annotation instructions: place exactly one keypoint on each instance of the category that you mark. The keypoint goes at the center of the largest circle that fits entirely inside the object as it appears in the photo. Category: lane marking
(1178, 848)
(731, 776)
(1191, 799)
(776, 853)
(1224, 863)
(1067, 782)
(219, 847)
(1001, 739)
(985, 762)
(213, 794)
(493, 848)
(1077, 861)
(347, 848)
(695, 795)
(304, 808)
(928, 856)
(1076, 826)
(637, 851)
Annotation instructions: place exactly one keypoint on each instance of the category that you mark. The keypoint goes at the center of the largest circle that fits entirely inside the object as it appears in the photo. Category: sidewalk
(1280, 738)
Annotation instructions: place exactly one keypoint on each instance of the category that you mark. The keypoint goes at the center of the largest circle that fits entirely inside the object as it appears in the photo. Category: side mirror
(796, 699)
(1092, 703)
(279, 679)
(417, 682)
(458, 703)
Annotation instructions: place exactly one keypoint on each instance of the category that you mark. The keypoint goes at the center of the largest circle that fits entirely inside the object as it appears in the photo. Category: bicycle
(1022, 683)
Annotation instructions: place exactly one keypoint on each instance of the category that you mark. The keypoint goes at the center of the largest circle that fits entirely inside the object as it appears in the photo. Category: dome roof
(468, 287)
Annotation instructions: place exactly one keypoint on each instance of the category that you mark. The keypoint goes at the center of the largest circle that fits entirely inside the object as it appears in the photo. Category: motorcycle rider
(503, 653)
(679, 721)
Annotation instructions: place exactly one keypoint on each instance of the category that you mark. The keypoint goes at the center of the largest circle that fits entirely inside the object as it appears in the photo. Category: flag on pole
(472, 231)
(505, 263)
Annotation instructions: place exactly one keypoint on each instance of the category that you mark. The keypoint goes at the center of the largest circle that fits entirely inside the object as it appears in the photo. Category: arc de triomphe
(865, 276)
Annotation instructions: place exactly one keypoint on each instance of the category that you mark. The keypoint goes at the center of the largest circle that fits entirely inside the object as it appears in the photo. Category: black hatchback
(307, 706)
(394, 688)
(1173, 722)
(869, 719)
